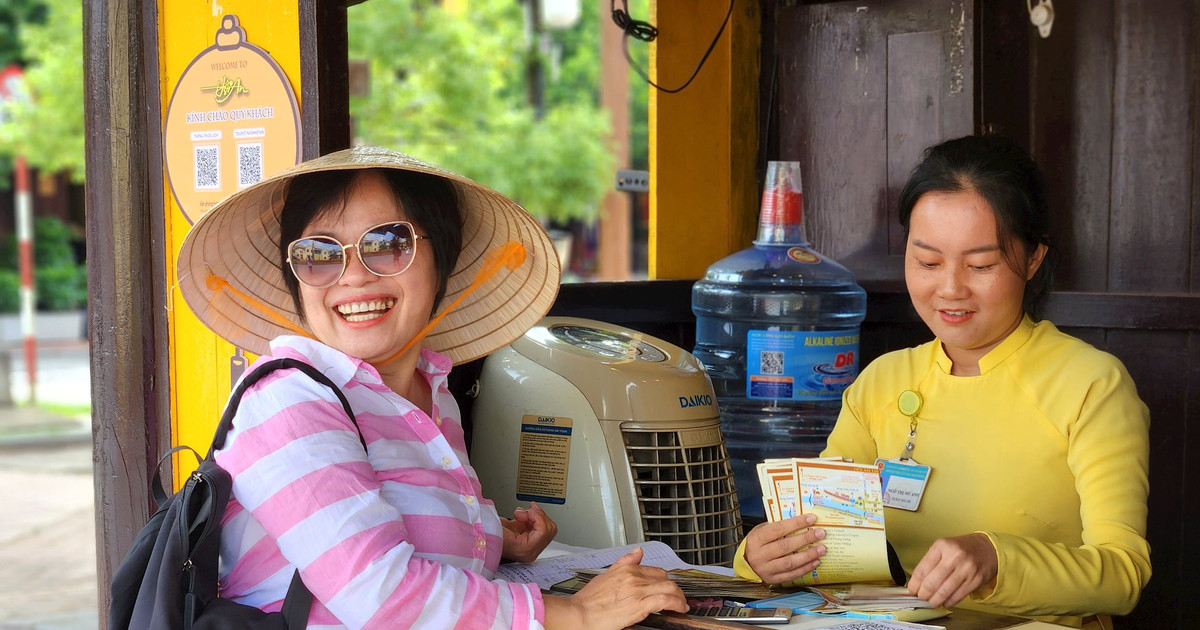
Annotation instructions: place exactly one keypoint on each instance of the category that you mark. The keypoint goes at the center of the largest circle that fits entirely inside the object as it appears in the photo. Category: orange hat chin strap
(216, 284)
(510, 255)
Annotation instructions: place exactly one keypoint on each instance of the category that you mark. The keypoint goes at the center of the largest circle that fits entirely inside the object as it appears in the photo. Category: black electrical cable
(646, 32)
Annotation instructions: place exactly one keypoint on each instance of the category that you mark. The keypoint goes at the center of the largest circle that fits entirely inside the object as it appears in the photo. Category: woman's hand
(954, 568)
(620, 597)
(527, 534)
(782, 551)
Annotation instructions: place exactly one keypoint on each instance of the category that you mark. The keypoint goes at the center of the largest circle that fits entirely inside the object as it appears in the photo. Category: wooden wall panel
(1195, 209)
(827, 50)
(1158, 363)
(915, 65)
(1072, 73)
(1003, 55)
(1189, 558)
(1152, 136)
(1094, 336)
(862, 88)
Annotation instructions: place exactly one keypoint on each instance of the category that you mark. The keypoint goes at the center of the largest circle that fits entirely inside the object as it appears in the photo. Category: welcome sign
(232, 120)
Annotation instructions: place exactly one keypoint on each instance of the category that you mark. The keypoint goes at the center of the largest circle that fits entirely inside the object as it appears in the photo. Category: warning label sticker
(543, 459)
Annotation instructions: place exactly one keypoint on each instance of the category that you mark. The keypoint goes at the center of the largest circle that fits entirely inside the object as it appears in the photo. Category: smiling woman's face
(959, 280)
(362, 314)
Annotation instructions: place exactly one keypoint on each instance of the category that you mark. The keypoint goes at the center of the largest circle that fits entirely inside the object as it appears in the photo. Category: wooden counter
(958, 620)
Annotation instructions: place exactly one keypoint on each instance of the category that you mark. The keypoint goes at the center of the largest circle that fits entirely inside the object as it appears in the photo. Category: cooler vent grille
(685, 492)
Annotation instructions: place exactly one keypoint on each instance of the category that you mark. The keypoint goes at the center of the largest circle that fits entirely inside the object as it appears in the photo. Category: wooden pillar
(615, 256)
(704, 139)
(126, 274)
(324, 77)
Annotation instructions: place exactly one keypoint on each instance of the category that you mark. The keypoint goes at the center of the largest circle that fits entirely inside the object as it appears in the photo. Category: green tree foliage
(13, 15)
(577, 76)
(10, 291)
(48, 130)
(451, 89)
(61, 283)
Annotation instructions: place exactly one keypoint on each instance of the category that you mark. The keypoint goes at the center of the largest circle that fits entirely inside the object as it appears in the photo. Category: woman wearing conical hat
(382, 272)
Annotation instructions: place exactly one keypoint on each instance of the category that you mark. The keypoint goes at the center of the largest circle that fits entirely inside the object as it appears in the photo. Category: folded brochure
(890, 602)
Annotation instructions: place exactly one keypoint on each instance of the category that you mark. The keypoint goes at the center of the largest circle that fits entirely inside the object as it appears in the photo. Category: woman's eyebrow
(974, 250)
(926, 246)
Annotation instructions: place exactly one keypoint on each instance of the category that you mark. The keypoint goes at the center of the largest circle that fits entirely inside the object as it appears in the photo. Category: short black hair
(1004, 174)
(430, 203)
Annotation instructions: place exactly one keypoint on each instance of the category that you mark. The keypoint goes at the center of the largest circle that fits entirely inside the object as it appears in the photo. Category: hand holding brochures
(853, 577)
(846, 499)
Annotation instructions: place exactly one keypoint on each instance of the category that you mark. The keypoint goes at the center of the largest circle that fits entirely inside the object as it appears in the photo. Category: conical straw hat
(230, 276)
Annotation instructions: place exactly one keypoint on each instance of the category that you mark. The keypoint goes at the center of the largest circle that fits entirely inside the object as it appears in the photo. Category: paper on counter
(548, 571)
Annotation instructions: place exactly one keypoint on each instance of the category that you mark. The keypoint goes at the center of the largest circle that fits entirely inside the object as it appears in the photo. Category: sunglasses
(385, 250)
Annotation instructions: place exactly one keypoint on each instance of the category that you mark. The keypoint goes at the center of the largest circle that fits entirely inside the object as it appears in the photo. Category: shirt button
(481, 543)
(438, 420)
(470, 500)
(446, 460)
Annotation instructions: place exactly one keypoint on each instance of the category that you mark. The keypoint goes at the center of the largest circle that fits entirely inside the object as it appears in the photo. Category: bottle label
(801, 255)
(800, 365)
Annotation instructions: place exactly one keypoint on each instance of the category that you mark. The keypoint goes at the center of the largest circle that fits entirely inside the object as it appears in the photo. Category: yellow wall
(703, 140)
(199, 360)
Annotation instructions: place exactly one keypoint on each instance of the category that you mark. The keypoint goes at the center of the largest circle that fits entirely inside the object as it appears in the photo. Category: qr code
(208, 167)
(250, 164)
(771, 362)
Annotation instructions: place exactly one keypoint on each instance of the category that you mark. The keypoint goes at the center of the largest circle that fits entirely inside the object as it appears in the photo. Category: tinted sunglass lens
(316, 262)
(387, 250)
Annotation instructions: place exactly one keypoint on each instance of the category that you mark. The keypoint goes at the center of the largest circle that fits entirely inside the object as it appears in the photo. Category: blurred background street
(47, 533)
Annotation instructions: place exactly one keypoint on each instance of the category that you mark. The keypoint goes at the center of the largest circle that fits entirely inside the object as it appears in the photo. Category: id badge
(903, 482)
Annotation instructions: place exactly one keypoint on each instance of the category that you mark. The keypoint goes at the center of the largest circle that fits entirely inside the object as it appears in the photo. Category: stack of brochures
(847, 498)
(871, 602)
(866, 598)
(698, 583)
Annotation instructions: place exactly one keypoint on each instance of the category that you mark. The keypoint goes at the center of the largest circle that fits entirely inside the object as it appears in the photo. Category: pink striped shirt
(400, 537)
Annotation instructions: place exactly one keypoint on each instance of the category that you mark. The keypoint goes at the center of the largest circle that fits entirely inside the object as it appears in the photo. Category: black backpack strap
(253, 377)
(156, 485)
(297, 603)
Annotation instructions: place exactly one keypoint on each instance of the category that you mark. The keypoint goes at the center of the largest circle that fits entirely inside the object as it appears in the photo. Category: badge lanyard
(903, 479)
(910, 405)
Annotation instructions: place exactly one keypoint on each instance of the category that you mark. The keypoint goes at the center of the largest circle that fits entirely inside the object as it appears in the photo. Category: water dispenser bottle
(777, 328)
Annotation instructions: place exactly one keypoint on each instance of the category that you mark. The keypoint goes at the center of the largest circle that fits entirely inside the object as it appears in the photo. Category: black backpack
(169, 578)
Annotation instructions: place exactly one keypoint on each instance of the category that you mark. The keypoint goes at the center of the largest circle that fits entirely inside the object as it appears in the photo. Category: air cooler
(615, 433)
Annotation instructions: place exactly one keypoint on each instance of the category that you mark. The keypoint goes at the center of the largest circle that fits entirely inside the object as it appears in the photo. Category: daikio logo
(699, 400)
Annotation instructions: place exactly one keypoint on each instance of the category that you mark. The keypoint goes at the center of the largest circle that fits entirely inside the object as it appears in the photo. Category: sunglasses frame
(357, 245)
